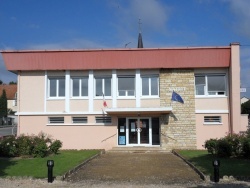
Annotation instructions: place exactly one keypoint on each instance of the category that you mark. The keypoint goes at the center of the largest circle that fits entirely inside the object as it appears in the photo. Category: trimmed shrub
(224, 148)
(211, 145)
(55, 146)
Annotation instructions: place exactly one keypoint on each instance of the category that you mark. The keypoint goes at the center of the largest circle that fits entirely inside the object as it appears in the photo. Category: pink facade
(62, 93)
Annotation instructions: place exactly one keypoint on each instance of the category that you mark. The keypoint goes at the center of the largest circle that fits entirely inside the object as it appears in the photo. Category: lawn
(228, 166)
(37, 167)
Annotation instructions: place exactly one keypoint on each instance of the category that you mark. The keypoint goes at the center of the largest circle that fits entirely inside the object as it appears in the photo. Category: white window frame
(126, 96)
(149, 86)
(106, 120)
(80, 120)
(103, 86)
(80, 88)
(56, 120)
(206, 93)
(57, 88)
(215, 120)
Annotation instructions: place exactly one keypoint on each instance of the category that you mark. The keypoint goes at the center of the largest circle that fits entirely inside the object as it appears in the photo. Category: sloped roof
(138, 58)
(10, 91)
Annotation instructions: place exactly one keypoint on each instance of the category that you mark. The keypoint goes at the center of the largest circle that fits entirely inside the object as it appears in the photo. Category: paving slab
(137, 168)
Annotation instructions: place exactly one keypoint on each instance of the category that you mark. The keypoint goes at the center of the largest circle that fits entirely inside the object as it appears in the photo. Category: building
(243, 100)
(11, 94)
(122, 97)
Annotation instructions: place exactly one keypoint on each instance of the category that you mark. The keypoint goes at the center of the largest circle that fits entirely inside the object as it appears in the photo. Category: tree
(1, 82)
(12, 83)
(245, 108)
(3, 105)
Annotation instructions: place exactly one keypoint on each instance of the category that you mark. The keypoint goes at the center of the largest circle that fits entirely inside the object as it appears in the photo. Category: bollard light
(216, 164)
(50, 165)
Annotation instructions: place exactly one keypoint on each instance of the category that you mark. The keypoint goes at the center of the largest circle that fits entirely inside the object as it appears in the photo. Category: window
(150, 85)
(212, 119)
(210, 85)
(103, 86)
(126, 86)
(79, 87)
(103, 119)
(79, 120)
(57, 87)
(56, 119)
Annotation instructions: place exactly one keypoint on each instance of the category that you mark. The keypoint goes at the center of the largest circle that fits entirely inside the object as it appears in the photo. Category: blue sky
(88, 24)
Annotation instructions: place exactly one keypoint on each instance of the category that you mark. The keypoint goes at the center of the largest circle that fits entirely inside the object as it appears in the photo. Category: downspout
(18, 105)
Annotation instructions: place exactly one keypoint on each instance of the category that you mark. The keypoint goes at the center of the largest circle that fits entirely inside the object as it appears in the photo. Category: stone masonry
(178, 129)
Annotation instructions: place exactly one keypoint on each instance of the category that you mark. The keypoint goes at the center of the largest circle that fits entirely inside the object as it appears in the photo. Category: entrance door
(139, 131)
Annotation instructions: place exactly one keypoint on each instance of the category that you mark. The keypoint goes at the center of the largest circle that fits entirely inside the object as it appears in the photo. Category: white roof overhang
(138, 111)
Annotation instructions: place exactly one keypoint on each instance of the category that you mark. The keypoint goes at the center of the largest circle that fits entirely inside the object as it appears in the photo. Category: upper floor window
(79, 87)
(210, 85)
(126, 86)
(57, 87)
(150, 85)
(103, 86)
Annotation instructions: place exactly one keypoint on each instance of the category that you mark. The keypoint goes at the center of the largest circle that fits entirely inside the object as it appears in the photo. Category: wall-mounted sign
(122, 140)
(242, 90)
(177, 88)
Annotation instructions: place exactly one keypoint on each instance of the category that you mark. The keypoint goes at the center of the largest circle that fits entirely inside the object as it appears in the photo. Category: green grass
(202, 160)
(37, 167)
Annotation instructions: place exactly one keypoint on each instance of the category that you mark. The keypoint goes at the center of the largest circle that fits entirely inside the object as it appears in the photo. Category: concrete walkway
(137, 168)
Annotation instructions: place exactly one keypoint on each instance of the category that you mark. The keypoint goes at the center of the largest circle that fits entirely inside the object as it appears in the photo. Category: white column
(114, 89)
(91, 91)
(138, 88)
(67, 91)
(45, 91)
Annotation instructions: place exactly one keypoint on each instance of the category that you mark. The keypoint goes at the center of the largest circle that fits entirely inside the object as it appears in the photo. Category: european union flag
(177, 97)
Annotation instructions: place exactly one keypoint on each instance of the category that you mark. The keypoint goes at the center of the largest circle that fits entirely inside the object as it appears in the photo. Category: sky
(95, 24)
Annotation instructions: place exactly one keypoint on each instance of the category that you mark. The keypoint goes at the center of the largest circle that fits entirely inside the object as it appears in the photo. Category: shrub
(36, 146)
(224, 148)
(211, 145)
(25, 145)
(246, 147)
(8, 147)
(235, 141)
(55, 146)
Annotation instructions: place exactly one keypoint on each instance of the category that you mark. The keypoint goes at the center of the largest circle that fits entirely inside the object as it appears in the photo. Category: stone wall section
(178, 129)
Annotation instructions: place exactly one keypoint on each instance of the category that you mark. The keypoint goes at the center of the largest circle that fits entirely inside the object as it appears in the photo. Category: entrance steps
(138, 149)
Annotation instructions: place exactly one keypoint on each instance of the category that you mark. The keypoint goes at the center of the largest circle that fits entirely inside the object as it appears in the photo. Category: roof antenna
(140, 43)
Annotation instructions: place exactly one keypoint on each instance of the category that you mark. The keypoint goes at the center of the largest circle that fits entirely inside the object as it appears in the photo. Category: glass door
(139, 131)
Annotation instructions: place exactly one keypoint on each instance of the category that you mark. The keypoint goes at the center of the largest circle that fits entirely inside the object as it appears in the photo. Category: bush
(8, 147)
(246, 147)
(40, 147)
(55, 146)
(211, 145)
(25, 145)
(235, 141)
(224, 148)
(36, 146)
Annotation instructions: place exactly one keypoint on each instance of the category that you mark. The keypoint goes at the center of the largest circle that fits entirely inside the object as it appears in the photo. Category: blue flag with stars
(177, 97)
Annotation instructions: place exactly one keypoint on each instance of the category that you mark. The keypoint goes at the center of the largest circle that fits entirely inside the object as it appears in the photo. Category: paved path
(141, 168)
(111, 170)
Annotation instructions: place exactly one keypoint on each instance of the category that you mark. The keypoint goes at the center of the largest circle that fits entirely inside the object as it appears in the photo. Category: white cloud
(153, 14)
(241, 9)
(70, 44)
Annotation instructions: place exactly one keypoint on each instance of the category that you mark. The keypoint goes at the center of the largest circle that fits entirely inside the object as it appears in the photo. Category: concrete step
(138, 149)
